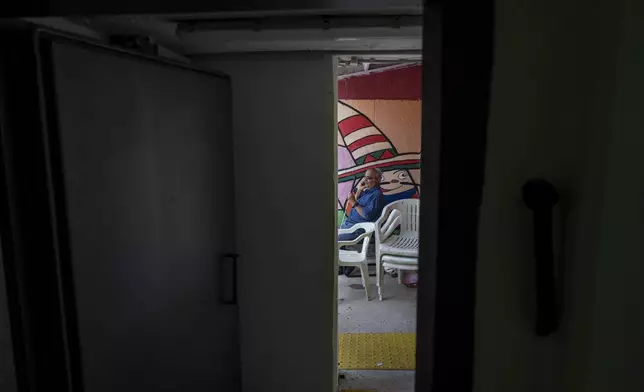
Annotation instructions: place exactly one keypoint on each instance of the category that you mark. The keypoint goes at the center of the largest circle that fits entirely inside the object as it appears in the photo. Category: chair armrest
(383, 217)
(368, 227)
(387, 223)
(364, 236)
(379, 222)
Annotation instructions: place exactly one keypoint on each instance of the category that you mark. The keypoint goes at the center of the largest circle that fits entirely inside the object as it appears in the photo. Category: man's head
(372, 178)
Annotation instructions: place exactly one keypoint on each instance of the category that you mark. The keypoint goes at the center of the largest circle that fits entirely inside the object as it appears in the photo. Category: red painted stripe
(389, 164)
(366, 140)
(353, 123)
(400, 83)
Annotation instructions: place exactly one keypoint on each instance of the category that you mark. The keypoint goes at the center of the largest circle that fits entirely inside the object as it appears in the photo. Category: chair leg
(378, 273)
(381, 270)
(400, 276)
(364, 271)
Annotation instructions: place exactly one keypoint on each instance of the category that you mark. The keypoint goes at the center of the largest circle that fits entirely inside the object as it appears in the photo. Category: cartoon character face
(397, 181)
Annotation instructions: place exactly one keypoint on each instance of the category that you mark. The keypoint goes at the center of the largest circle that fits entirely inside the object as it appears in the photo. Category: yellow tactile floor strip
(377, 351)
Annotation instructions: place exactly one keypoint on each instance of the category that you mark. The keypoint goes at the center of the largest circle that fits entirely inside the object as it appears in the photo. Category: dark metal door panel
(141, 156)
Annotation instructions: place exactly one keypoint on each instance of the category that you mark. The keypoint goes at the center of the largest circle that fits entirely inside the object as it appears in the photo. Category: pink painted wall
(402, 83)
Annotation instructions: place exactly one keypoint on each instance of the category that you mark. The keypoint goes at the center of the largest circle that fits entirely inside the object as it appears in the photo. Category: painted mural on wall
(393, 147)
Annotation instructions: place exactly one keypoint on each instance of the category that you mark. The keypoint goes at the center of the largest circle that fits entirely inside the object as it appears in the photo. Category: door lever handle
(540, 196)
(228, 279)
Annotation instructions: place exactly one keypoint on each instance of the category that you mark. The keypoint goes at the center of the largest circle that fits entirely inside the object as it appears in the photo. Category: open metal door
(117, 188)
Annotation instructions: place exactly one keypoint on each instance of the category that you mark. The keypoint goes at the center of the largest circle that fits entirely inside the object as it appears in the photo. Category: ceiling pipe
(367, 62)
(213, 56)
(377, 70)
(299, 22)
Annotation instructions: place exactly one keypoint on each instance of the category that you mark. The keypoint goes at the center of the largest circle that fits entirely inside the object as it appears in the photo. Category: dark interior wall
(285, 163)
(7, 378)
(553, 83)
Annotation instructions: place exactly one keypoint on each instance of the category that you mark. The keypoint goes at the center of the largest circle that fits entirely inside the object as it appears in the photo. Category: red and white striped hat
(368, 146)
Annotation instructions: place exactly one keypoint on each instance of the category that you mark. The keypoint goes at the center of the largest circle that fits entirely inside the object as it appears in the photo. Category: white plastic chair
(397, 251)
(352, 258)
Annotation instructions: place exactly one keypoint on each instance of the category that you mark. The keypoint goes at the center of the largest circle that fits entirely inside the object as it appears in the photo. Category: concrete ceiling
(389, 36)
(382, 33)
(214, 9)
(294, 40)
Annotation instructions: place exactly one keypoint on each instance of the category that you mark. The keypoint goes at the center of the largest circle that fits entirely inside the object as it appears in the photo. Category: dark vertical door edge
(457, 64)
(28, 241)
(57, 202)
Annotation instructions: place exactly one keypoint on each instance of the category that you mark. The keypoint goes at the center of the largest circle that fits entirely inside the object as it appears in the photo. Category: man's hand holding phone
(362, 184)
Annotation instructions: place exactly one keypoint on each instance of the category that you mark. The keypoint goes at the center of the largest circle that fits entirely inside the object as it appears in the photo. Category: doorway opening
(378, 157)
(280, 99)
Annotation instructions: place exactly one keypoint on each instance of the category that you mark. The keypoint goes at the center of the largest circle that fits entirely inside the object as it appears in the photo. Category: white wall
(559, 112)
(285, 168)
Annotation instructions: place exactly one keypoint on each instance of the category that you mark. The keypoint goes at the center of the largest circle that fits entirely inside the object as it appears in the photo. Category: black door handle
(541, 196)
(228, 279)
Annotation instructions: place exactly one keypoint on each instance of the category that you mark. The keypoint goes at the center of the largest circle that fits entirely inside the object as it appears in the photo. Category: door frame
(458, 44)
(456, 87)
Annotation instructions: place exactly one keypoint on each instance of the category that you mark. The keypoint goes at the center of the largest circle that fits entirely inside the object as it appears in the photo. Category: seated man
(367, 203)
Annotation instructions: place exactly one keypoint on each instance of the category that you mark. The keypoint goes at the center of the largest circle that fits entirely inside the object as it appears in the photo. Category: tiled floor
(378, 380)
(396, 313)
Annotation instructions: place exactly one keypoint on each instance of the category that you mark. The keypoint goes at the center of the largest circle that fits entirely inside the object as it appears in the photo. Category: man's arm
(359, 189)
(353, 199)
(360, 210)
(367, 207)
(356, 196)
